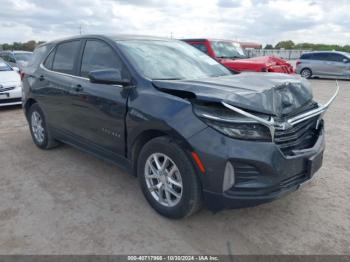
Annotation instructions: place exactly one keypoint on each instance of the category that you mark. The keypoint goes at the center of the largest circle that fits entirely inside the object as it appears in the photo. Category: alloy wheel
(37, 127)
(306, 73)
(163, 179)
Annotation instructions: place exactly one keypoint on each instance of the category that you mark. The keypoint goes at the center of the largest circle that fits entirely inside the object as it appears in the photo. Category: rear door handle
(41, 78)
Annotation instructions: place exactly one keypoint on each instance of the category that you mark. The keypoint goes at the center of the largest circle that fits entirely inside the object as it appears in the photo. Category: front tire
(168, 179)
(39, 130)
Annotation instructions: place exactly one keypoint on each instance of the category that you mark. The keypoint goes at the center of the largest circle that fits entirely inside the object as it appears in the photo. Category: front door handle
(41, 78)
(77, 88)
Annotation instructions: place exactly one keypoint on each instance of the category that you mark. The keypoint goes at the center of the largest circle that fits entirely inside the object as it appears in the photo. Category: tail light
(298, 62)
(22, 74)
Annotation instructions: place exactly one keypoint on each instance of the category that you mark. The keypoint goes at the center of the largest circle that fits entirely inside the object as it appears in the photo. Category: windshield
(225, 49)
(4, 66)
(165, 59)
(23, 56)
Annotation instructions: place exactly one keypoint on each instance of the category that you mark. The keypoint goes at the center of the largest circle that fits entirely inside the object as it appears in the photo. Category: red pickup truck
(231, 55)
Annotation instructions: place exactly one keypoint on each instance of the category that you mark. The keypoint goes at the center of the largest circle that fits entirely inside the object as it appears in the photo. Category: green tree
(29, 46)
(289, 44)
(268, 46)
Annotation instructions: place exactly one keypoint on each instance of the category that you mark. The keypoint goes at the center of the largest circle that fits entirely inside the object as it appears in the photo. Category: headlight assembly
(232, 124)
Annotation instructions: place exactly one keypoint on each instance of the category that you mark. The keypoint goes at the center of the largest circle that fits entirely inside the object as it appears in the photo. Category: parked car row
(189, 128)
(10, 85)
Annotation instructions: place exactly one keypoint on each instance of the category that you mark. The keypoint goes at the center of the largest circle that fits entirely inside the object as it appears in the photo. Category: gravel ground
(63, 201)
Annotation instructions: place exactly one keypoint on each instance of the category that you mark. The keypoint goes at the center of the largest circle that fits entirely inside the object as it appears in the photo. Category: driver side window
(98, 55)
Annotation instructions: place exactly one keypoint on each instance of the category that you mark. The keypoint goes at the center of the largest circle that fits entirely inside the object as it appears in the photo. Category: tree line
(289, 44)
(26, 46)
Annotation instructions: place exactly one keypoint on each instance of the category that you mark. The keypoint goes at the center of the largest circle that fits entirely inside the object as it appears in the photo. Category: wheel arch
(27, 105)
(147, 135)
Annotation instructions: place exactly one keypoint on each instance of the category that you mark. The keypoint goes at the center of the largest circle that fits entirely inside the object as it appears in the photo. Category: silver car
(17, 59)
(331, 64)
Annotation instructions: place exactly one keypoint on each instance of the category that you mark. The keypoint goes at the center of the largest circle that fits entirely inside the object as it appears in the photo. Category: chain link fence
(283, 53)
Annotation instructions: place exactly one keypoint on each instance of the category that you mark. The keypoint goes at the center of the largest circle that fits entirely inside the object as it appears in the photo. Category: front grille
(10, 100)
(4, 89)
(301, 136)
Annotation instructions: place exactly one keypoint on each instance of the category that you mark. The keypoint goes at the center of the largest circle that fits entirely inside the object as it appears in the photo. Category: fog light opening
(229, 177)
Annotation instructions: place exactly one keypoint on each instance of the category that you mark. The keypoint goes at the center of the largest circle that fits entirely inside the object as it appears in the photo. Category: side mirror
(108, 77)
(345, 60)
(15, 69)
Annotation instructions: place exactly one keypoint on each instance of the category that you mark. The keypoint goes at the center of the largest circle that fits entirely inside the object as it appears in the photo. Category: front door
(339, 65)
(98, 110)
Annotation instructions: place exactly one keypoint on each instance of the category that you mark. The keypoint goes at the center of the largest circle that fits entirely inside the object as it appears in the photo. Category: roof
(330, 51)
(111, 37)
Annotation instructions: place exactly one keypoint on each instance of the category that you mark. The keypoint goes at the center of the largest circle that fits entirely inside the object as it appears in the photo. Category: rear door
(319, 64)
(98, 110)
(57, 77)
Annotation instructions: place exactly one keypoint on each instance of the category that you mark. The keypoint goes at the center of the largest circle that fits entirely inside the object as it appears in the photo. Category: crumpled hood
(268, 93)
(269, 60)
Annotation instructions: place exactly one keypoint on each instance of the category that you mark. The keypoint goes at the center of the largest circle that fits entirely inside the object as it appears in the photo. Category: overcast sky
(264, 21)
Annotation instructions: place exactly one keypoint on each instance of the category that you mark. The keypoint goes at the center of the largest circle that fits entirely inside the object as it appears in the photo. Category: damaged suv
(190, 130)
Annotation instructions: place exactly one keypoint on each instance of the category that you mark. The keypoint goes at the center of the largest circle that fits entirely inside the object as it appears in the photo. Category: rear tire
(39, 130)
(168, 179)
(306, 73)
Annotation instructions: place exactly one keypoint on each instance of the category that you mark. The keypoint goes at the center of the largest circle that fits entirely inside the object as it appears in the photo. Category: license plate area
(4, 95)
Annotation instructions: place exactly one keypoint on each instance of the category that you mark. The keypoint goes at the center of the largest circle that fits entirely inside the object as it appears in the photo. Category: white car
(10, 85)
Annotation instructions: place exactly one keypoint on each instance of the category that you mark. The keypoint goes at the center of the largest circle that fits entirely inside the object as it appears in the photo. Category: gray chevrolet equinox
(189, 129)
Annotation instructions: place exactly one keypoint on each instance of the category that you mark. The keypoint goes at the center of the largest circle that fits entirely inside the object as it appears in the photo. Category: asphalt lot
(64, 201)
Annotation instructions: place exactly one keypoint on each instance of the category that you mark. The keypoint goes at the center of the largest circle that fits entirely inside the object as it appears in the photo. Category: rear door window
(306, 56)
(99, 55)
(320, 56)
(65, 57)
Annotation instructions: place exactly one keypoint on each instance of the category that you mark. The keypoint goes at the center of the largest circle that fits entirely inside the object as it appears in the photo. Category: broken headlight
(231, 124)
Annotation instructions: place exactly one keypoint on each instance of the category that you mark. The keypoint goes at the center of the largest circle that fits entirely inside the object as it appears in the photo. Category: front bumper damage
(263, 172)
(273, 125)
